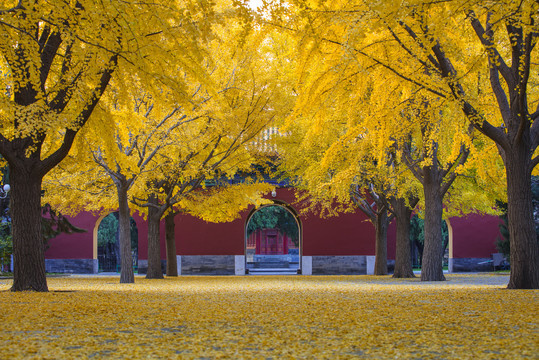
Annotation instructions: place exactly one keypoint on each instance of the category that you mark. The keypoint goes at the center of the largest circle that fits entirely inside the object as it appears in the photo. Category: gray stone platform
(470, 265)
(339, 265)
(235, 264)
(207, 264)
(73, 266)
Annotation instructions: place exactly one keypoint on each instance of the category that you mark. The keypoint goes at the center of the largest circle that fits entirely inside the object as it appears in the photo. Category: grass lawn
(271, 317)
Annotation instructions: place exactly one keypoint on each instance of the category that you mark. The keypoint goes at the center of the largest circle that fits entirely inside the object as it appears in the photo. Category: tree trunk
(524, 247)
(126, 273)
(403, 256)
(381, 225)
(28, 246)
(432, 264)
(154, 243)
(172, 264)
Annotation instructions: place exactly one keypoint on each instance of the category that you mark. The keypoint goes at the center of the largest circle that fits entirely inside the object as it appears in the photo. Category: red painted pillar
(257, 235)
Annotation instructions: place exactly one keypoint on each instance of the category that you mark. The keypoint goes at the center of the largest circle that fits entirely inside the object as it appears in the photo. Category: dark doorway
(108, 245)
(417, 241)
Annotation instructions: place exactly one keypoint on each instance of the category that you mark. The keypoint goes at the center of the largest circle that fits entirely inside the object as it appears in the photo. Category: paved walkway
(471, 279)
(466, 279)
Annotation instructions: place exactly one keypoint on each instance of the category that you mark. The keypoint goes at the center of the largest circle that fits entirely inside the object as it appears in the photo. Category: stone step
(272, 264)
(274, 271)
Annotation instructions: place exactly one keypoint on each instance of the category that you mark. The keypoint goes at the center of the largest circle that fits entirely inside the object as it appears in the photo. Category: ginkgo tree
(221, 148)
(122, 150)
(508, 32)
(372, 164)
(435, 163)
(57, 59)
(325, 147)
(162, 149)
(335, 158)
(478, 56)
(362, 133)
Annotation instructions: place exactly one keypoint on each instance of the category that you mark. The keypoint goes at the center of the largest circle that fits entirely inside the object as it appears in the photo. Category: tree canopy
(450, 65)
(57, 59)
(391, 97)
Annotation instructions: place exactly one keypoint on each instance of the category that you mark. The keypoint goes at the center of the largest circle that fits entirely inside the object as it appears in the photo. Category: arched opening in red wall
(273, 236)
(417, 241)
(106, 243)
(449, 251)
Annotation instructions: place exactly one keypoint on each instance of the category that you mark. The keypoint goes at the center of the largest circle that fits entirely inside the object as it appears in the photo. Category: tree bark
(28, 246)
(172, 265)
(154, 243)
(403, 256)
(380, 219)
(432, 264)
(381, 224)
(524, 248)
(126, 273)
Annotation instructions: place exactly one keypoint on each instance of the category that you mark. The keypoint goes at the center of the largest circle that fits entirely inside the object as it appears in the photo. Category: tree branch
(534, 163)
(534, 131)
(523, 70)
(13, 9)
(411, 164)
(50, 162)
(359, 201)
(451, 171)
(414, 36)
(51, 44)
(479, 122)
(486, 37)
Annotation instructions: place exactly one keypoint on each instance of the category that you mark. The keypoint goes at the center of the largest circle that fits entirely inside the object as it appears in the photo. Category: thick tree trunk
(403, 256)
(154, 243)
(523, 239)
(172, 265)
(126, 272)
(28, 246)
(432, 264)
(381, 225)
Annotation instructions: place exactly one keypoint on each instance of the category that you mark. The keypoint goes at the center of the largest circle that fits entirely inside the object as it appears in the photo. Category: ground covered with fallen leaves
(271, 317)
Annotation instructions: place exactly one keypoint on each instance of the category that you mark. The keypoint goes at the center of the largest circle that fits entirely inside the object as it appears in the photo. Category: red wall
(80, 245)
(197, 237)
(347, 234)
(474, 236)
(77, 245)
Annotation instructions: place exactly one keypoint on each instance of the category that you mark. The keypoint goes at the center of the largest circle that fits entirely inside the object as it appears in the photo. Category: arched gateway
(106, 246)
(273, 240)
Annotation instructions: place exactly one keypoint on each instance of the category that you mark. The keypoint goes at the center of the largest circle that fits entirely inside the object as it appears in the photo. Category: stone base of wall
(143, 266)
(71, 266)
(470, 264)
(239, 265)
(235, 265)
(208, 264)
(339, 265)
